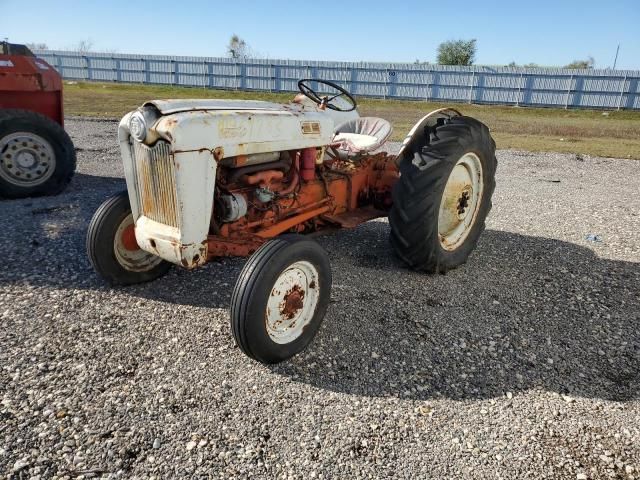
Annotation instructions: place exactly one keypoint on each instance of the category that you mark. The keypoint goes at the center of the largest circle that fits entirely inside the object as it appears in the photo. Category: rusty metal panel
(155, 173)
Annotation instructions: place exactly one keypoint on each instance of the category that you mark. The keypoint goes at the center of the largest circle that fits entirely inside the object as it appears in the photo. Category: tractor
(37, 156)
(214, 178)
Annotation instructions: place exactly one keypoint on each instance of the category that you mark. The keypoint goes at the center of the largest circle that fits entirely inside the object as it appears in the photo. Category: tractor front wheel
(443, 196)
(280, 298)
(112, 247)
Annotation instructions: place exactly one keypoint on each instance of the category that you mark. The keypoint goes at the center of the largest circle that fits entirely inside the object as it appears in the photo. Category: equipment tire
(37, 157)
(280, 299)
(435, 221)
(111, 246)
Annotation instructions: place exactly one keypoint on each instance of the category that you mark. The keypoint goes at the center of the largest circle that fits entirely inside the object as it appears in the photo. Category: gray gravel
(524, 363)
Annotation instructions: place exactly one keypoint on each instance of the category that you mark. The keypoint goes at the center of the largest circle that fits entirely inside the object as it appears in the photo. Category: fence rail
(539, 87)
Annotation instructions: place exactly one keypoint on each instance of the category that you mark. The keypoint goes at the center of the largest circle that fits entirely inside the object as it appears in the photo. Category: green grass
(535, 129)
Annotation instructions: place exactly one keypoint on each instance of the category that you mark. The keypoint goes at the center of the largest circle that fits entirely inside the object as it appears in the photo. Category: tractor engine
(259, 195)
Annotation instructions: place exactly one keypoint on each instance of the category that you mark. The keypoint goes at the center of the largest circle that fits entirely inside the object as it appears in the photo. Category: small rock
(581, 476)
(509, 395)
(191, 445)
(20, 464)
(606, 459)
(156, 443)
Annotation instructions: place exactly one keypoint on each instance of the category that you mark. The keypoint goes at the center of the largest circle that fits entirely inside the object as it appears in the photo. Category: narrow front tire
(112, 247)
(280, 299)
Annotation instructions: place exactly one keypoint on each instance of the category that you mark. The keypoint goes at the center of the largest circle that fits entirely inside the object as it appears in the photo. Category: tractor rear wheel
(112, 247)
(280, 298)
(443, 196)
(37, 156)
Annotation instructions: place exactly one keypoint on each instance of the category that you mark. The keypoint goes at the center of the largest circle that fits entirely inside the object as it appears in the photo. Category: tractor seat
(361, 135)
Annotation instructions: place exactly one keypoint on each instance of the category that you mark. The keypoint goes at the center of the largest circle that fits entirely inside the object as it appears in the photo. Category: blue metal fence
(538, 87)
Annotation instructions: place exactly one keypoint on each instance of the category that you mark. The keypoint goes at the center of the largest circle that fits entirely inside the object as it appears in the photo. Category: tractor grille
(155, 176)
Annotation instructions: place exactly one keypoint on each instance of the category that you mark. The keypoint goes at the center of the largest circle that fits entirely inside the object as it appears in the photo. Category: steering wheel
(325, 100)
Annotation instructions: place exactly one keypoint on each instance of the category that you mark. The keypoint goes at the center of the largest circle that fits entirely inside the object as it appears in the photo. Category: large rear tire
(112, 247)
(37, 156)
(443, 196)
(280, 299)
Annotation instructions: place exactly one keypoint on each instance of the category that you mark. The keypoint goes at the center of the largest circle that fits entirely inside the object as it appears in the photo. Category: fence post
(435, 86)
(277, 75)
(243, 75)
(473, 76)
(519, 90)
(118, 71)
(354, 80)
(386, 85)
(566, 100)
(89, 72)
(176, 77)
(624, 83)
(210, 74)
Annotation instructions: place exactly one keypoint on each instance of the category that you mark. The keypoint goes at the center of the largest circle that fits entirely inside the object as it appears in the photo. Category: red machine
(37, 156)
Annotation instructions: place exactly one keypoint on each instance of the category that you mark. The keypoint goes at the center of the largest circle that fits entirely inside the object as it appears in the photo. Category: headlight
(142, 122)
(138, 126)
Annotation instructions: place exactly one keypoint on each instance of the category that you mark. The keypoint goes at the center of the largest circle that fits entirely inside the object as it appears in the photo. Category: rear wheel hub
(460, 201)
(26, 159)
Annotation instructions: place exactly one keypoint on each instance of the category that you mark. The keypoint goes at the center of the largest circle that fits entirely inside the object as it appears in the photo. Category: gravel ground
(524, 363)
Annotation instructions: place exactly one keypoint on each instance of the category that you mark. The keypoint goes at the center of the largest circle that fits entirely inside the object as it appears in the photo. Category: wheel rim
(128, 254)
(460, 201)
(292, 302)
(26, 159)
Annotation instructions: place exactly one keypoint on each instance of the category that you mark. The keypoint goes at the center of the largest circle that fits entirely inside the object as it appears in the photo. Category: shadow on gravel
(525, 312)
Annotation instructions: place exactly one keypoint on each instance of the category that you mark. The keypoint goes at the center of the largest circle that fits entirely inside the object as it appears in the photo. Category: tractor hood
(242, 131)
(167, 107)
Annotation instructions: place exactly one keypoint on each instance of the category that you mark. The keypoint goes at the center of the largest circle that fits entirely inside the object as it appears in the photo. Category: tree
(238, 48)
(83, 46)
(457, 52)
(37, 46)
(588, 63)
(526, 65)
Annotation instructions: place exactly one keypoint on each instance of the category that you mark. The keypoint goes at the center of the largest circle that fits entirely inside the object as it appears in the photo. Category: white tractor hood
(167, 107)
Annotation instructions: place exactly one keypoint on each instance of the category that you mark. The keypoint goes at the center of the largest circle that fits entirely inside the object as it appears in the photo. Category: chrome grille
(155, 176)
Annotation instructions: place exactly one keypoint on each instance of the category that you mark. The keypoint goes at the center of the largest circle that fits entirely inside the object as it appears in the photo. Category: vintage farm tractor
(212, 178)
(37, 156)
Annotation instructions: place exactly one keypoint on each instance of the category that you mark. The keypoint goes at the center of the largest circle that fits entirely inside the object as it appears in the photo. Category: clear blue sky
(542, 31)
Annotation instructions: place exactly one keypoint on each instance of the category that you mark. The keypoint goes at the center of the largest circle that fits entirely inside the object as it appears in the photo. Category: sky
(548, 33)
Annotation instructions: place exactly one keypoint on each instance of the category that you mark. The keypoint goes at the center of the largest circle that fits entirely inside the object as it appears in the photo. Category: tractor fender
(416, 134)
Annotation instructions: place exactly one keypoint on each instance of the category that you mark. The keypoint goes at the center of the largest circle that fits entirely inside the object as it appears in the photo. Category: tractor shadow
(525, 312)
